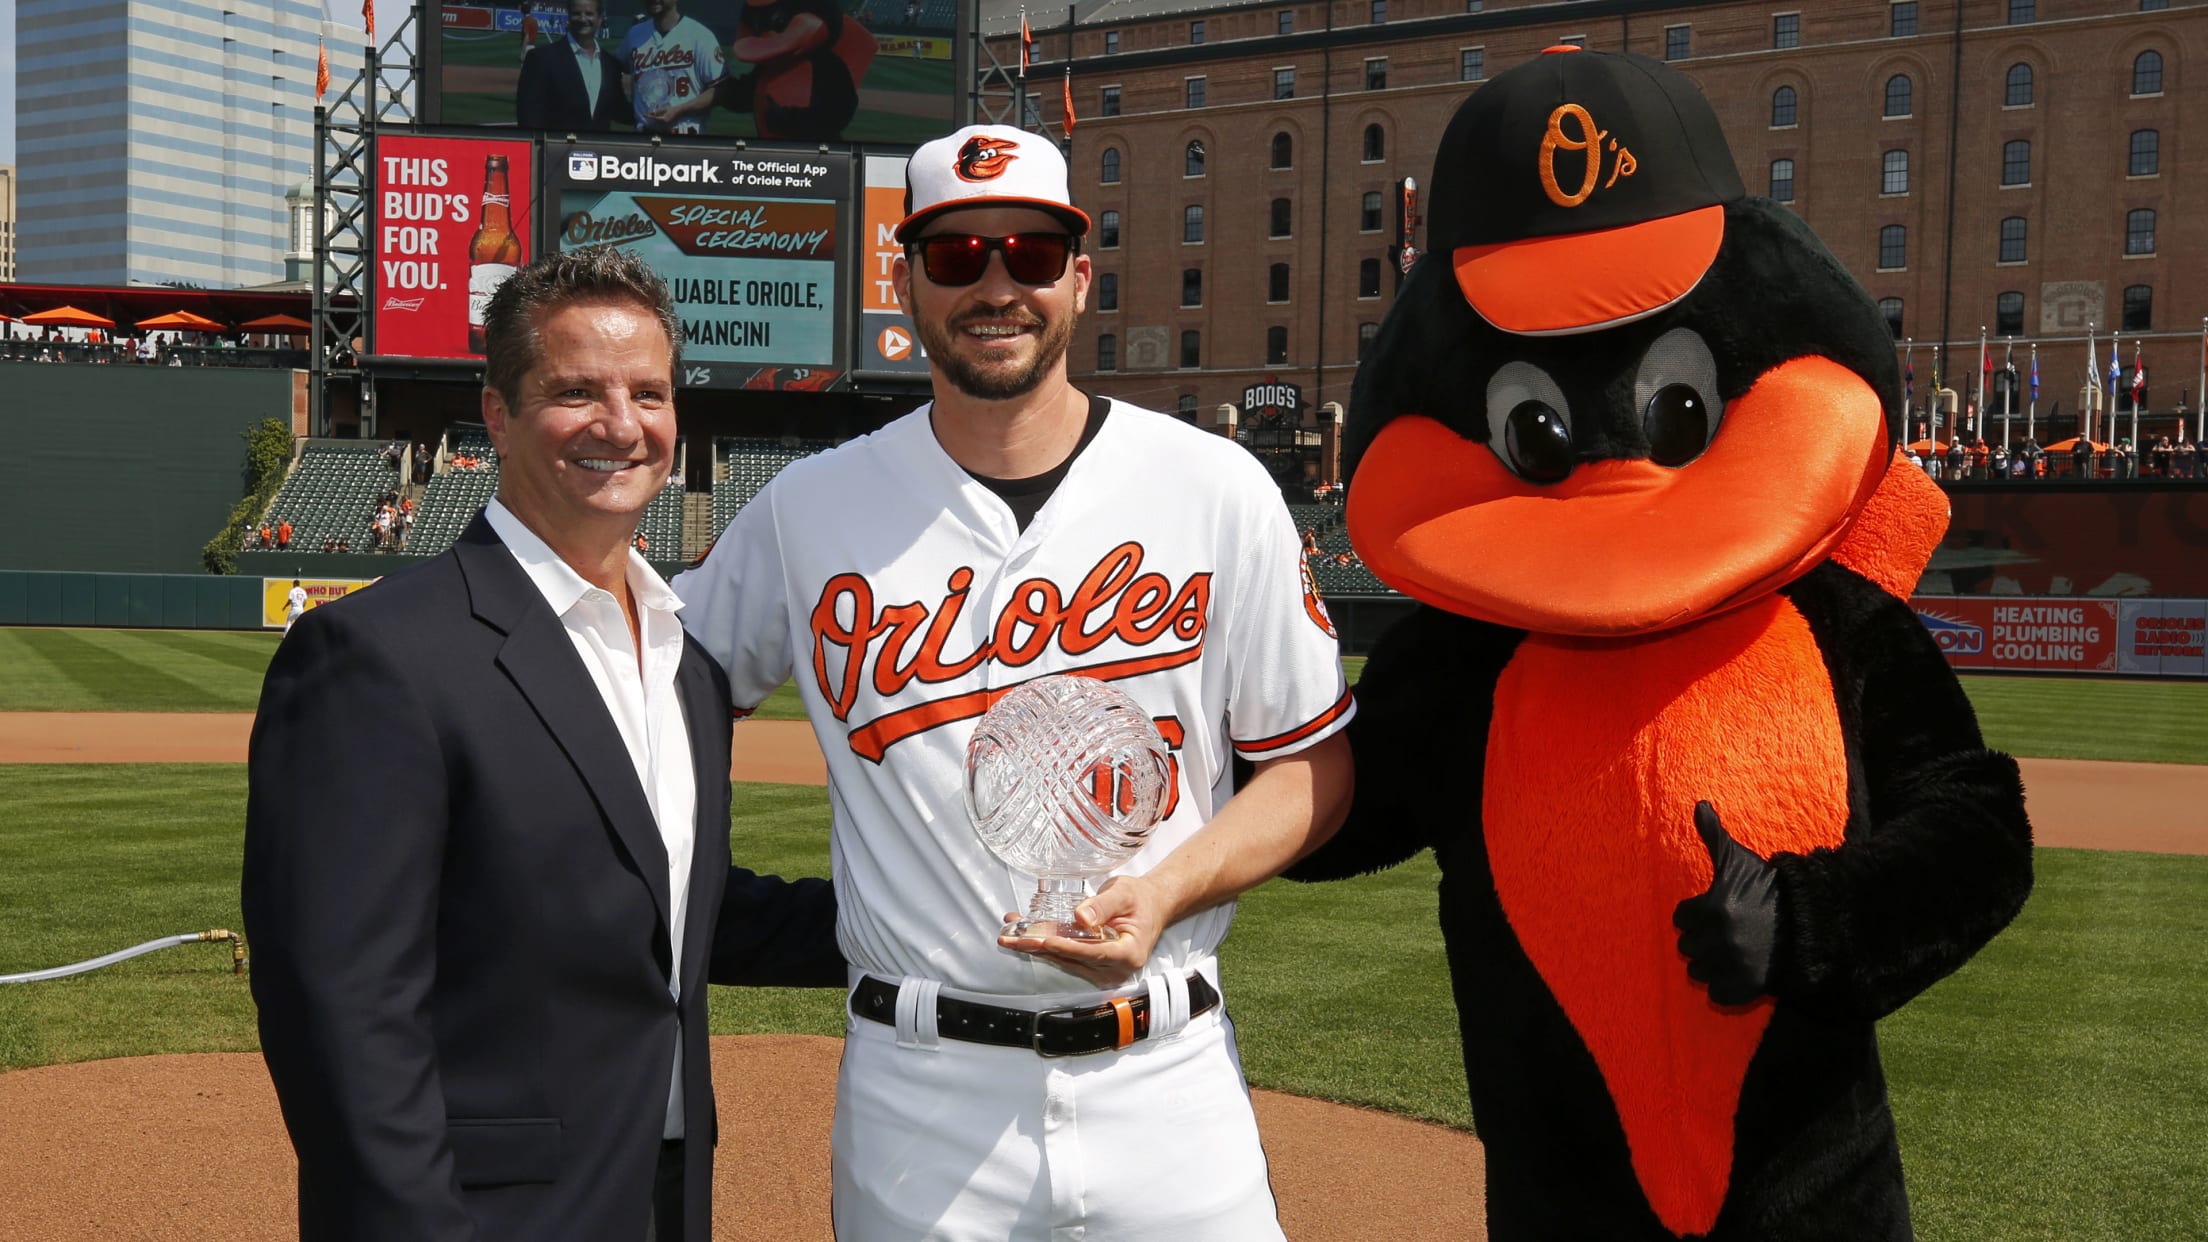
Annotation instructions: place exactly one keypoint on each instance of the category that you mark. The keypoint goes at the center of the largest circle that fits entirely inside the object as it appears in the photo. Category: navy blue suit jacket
(456, 897)
(551, 95)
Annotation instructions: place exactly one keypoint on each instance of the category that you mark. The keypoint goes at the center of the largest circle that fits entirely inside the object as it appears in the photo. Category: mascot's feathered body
(1706, 798)
(807, 60)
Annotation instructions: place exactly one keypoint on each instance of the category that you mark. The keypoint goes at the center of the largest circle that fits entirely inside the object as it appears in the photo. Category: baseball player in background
(674, 65)
(295, 604)
(995, 1088)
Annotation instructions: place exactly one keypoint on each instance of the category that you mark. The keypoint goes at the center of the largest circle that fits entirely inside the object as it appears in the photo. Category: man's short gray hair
(511, 321)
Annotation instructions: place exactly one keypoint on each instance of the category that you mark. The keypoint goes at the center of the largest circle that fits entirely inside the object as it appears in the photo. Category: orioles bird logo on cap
(983, 159)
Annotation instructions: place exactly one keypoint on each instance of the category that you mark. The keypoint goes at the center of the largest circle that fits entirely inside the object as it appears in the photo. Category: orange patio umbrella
(2071, 444)
(1928, 446)
(179, 321)
(276, 323)
(68, 317)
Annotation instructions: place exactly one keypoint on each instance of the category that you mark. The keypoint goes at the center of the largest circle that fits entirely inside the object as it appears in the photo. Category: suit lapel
(702, 712)
(540, 659)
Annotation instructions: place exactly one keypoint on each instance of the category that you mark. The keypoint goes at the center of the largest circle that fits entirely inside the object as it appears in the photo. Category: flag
(1909, 378)
(321, 71)
(1027, 42)
(2035, 373)
(2138, 375)
(368, 16)
(2115, 371)
(1068, 89)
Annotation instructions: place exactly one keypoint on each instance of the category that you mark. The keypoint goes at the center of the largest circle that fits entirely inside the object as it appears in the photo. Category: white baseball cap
(987, 166)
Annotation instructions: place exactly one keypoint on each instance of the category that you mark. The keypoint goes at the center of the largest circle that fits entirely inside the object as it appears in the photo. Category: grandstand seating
(452, 499)
(332, 492)
(749, 462)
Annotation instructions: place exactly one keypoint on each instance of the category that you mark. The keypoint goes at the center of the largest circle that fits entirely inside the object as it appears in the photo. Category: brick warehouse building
(1243, 162)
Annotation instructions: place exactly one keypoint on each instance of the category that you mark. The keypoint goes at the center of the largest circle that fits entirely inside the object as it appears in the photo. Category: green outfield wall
(126, 468)
(135, 601)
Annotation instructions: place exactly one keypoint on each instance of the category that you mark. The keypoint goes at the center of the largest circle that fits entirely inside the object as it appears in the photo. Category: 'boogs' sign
(1272, 400)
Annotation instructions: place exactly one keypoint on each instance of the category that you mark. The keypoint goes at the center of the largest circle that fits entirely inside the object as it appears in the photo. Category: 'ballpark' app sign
(748, 243)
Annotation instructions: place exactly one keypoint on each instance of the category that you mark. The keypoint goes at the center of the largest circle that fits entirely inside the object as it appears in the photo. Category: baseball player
(295, 604)
(674, 65)
(992, 1087)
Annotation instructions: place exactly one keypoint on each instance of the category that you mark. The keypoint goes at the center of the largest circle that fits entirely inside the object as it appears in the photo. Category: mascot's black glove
(1729, 932)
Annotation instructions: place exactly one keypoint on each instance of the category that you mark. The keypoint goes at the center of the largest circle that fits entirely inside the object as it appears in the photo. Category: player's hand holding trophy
(1065, 777)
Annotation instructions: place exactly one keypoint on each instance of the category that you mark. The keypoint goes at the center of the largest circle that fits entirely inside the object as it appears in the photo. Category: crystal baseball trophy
(1065, 777)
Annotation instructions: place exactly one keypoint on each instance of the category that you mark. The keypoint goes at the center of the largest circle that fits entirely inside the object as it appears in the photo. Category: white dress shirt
(592, 69)
(640, 696)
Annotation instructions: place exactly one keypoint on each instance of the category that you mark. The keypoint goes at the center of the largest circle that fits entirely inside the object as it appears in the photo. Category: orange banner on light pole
(368, 15)
(1069, 102)
(321, 71)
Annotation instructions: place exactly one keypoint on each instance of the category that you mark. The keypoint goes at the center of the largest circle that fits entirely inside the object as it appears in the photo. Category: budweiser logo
(403, 304)
(891, 646)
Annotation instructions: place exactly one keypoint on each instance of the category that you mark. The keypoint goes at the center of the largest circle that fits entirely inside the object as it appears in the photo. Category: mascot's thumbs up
(1728, 933)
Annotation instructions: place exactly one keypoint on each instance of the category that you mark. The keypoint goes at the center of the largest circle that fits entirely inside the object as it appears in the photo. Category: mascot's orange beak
(1625, 546)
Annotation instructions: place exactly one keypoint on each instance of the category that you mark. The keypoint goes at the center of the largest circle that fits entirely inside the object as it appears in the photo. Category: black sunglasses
(958, 259)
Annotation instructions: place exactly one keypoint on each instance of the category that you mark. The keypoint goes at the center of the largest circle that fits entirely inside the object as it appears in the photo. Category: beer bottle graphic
(494, 252)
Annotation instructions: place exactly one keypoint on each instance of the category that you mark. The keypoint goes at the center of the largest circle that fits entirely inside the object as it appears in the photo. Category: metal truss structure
(344, 139)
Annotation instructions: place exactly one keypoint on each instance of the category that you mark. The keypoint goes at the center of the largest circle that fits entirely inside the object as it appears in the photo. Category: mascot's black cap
(1579, 191)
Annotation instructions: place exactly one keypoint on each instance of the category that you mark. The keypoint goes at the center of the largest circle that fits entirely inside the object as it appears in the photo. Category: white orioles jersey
(671, 67)
(904, 599)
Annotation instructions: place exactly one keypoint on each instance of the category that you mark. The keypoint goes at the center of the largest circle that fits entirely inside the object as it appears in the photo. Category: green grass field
(2052, 1089)
(196, 671)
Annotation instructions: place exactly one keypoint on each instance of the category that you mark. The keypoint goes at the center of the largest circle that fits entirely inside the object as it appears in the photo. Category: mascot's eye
(1678, 425)
(1529, 426)
(1676, 392)
(1537, 445)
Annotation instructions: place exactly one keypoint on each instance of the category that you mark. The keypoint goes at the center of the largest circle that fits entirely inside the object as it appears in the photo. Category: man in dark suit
(573, 86)
(481, 959)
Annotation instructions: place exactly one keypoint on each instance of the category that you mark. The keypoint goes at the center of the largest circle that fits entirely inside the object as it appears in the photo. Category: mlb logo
(582, 166)
(1954, 637)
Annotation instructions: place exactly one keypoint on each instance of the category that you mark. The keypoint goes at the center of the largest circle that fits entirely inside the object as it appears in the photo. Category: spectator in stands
(1915, 460)
(2081, 457)
(2126, 463)
(643, 545)
(267, 541)
(1998, 463)
(344, 544)
(2159, 458)
(1310, 541)
(1957, 456)
(283, 535)
(329, 543)
(2185, 458)
(405, 524)
(421, 464)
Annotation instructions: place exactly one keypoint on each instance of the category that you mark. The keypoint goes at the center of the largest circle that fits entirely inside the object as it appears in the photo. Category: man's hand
(1128, 910)
(1728, 932)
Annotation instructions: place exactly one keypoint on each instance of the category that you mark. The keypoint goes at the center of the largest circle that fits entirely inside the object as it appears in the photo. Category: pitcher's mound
(192, 1149)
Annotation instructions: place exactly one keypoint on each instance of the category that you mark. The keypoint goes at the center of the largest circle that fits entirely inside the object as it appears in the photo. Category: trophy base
(1050, 912)
(1067, 928)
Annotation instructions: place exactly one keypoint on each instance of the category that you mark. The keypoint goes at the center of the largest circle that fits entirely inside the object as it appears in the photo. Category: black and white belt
(1074, 1032)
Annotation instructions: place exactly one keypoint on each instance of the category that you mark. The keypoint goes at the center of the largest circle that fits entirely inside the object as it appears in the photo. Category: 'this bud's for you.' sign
(436, 203)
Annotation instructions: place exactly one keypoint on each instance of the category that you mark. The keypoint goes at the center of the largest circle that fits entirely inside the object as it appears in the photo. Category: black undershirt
(1027, 496)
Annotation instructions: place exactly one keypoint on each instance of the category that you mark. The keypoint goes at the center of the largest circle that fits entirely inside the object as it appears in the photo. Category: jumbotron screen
(797, 70)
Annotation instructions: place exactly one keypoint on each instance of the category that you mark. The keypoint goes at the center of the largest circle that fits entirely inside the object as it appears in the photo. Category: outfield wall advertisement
(782, 70)
(2139, 636)
(452, 218)
(276, 595)
(749, 243)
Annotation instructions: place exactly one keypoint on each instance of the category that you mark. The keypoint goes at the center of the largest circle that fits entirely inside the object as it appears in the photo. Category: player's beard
(1001, 381)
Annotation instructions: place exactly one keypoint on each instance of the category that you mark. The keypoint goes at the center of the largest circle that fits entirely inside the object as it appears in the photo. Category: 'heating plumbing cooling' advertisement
(749, 243)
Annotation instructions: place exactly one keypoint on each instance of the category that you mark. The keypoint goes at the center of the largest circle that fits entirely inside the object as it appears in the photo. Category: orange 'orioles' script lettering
(891, 646)
(1589, 140)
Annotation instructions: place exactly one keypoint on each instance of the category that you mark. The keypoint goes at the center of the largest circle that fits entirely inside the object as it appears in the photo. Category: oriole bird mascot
(808, 58)
(1706, 798)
